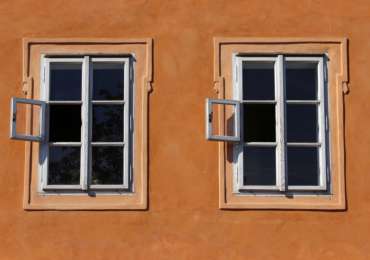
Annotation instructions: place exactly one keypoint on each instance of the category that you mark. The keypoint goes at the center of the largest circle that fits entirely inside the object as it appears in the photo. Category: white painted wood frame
(13, 119)
(86, 143)
(210, 119)
(281, 143)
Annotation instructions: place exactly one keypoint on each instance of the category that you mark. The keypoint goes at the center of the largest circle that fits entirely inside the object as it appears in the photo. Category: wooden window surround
(141, 51)
(335, 49)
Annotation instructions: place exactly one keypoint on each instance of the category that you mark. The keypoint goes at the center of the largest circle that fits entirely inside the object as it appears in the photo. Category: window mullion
(85, 135)
(280, 123)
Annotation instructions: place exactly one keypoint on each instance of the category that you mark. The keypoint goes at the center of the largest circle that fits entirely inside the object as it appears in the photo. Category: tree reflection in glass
(64, 165)
(107, 165)
(107, 123)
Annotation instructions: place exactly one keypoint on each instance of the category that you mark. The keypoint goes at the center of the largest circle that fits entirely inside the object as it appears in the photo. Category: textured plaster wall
(183, 220)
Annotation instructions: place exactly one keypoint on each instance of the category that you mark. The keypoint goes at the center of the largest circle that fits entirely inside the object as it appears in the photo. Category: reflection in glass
(302, 125)
(301, 81)
(65, 123)
(65, 81)
(107, 165)
(258, 81)
(303, 167)
(64, 165)
(108, 81)
(259, 122)
(107, 123)
(259, 166)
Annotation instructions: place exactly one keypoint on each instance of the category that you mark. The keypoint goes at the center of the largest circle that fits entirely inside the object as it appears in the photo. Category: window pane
(64, 165)
(65, 123)
(301, 81)
(258, 81)
(65, 81)
(107, 165)
(259, 122)
(259, 166)
(302, 123)
(108, 81)
(303, 168)
(107, 123)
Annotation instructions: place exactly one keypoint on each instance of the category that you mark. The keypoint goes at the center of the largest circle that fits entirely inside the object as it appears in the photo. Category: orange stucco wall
(183, 220)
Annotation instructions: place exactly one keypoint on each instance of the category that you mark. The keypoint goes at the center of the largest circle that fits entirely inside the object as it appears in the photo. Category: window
(286, 155)
(87, 143)
(283, 124)
(86, 118)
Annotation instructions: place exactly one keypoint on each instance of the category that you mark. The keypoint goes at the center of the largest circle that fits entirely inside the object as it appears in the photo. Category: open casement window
(231, 108)
(87, 140)
(27, 104)
(85, 126)
(291, 150)
(282, 104)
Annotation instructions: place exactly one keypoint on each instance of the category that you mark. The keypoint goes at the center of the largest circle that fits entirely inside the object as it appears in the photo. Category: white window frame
(86, 143)
(210, 119)
(280, 128)
(13, 119)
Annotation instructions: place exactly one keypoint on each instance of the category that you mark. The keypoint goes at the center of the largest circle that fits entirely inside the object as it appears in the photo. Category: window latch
(210, 117)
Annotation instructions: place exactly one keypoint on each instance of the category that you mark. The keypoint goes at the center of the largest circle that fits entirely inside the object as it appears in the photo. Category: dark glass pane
(107, 123)
(107, 165)
(108, 81)
(65, 123)
(303, 166)
(259, 166)
(65, 81)
(258, 81)
(301, 81)
(302, 123)
(64, 165)
(259, 122)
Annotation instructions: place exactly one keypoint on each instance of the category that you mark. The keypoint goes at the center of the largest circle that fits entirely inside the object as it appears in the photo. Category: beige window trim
(141, 49)
(336, 50)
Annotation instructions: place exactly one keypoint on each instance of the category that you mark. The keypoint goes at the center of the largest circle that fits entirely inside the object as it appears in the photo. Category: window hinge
(210, 117)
